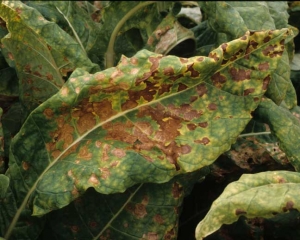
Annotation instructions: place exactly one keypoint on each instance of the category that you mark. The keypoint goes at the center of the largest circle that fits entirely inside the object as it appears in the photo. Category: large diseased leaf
(285, 127)
(41, 52)
(253, 195)
(146, 120)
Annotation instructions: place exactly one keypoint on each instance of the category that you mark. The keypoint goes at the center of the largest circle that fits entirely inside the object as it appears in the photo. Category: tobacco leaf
(96, 216)
(73, 19)
(41, 52)
(148, 119)
(264, 194)
(284, 125)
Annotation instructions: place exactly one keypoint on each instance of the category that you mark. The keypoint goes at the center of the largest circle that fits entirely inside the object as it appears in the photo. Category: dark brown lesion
(240, 74)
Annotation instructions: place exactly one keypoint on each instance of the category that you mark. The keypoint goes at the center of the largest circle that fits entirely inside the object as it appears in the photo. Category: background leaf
(124, 215)
(254, 195)
(285, 127)
(41, 52)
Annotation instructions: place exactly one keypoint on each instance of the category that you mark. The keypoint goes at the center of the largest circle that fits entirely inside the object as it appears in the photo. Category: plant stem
(254, 134)
(109, 55)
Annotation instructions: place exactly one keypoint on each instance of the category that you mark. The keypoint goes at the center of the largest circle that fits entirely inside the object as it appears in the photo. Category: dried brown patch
(248, 91)
(193, 72)
(212, 106)
(93, 179)
(201, 89)
(139, 211)
(168, 71)
(240, 212)
(200, 59)
(266, 82)
(191, 126)
(263, 66)
(182, 87)
(164, 88)
(85, 122)
(214, 56)
(203, 124)
(203, 141)
(224, 46)
(240, 74)
(105, 172)
(218, 79)
(103, 109)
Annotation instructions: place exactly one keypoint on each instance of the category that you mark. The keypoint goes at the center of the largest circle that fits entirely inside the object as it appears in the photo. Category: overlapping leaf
(124, 215)
(41, 52)
(253, 195)
(146, 120)
(285, 126)
(230, 19)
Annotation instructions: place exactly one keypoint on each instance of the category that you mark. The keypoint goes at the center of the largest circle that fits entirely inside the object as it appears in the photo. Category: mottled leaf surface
(124, 215)
(285, 126)
(146, 120)
(253, 195)
(41, 52)
(71, 17)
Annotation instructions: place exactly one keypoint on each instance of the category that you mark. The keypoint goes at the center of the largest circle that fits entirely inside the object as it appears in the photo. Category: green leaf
(71, 17)
(2, 163)
(253, 195)
(146, 120)
(285, 126)
(42, 52)
(4, 183)
(124, 215)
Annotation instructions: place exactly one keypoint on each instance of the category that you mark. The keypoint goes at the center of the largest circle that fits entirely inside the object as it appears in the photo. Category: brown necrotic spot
(289, 206)
(191, 126)
(185, 149)
(118, 152)
(105, 172)
(48, 112)
(177, 190)
(224, 46)
(267, 39)
(183, 60)
(212, 106)
(158, 218)
(240, 212)
(248, 91)
(266, 81)
(201, 89)
(134, 60)
(263, 66)
(200, 59)
(139, 211)
(168, 71)
(84, 153)
(93, 179)
(203, 124)
(182, 87)
(203, 141)
(193, 72)
(25, 165)
(243, 37)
